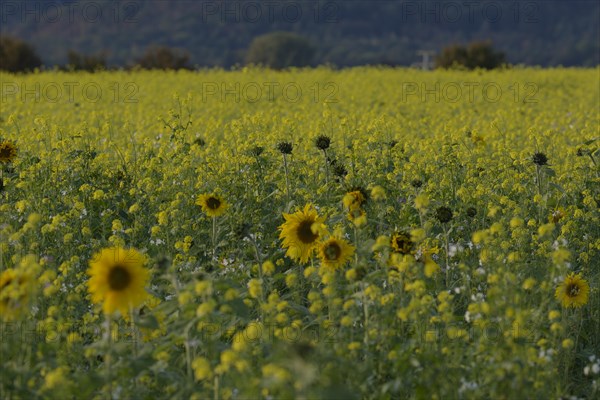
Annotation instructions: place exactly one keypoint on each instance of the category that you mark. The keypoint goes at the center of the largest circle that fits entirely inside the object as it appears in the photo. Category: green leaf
(549, 172)
(147, 321)
(557, 187)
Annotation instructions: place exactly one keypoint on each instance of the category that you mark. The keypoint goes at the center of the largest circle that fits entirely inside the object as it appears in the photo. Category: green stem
(356, 242)
(134, 338)
(188, 354)
(366, 314)
(326, 169)
(108, 355)
(260, 272)
(595, 164)
(287, 179)
(447, 250)
(216, 392)
(214, 237)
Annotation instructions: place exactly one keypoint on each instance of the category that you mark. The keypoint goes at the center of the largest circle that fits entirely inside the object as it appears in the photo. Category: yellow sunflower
(335, 253)
(401, 243)
(15, 291)
(573, 291)
(300, 233)
(356, 213)
(8, 151)
(354, 199)
(213, 205)
(118, 279)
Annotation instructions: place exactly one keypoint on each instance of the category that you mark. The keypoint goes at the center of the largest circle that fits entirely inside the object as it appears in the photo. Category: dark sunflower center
(573, 290)
(403, 244)
(119, 278)
(332, 251)
(213, 203)
(305, 233)
(5, 152)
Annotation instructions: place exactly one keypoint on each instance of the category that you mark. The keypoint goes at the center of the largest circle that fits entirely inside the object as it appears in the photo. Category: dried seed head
(322, 142)
(471, 212)
(540, 159)
(256, 151)
(443, 214)
(285, 147)
(416, 183)
(339, 170)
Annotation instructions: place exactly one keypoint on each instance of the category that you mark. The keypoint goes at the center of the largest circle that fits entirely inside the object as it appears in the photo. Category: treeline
(347, 33)
(276, 50)
(19, 56)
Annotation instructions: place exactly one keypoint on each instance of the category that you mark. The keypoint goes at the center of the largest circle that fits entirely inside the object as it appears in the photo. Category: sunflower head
(118, 279)
(471, 212)
(540, 159)
(416, 183)
(402, 244)
(285, 147)
(256, 151)
(6, 279)
(334, 253)
(355, 214)
(444, 214)
(17, 287)
(322, 142)
(8, 152)
(339, 170)
(355, 198)
(573, 291)
(300, 233)
(213, 205)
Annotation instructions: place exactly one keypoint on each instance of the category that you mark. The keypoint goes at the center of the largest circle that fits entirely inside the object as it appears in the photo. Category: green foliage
(162, 57)
(83, 62)
(280, 50)
(476, 55)
(17, 56)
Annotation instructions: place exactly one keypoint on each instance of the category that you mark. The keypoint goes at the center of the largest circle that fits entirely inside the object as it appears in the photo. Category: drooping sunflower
(573, 291)
(118, 279)
(401, 243)
(301, 232)
(8, 151)
(212, 204)
(334, 253)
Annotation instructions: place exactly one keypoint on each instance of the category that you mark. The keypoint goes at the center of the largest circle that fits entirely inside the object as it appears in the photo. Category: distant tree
(17, 56)
(476, 55)
(483, 55)
(162, 57)
(280, 50)
(452, 56)
(82, 62)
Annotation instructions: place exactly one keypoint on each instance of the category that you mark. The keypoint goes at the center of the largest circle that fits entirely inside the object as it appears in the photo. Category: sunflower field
(362, 233)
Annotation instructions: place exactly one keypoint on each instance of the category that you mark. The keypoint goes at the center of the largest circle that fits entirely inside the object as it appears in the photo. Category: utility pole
(427, 55)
